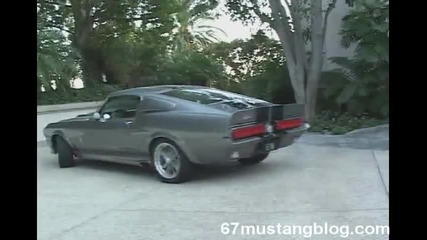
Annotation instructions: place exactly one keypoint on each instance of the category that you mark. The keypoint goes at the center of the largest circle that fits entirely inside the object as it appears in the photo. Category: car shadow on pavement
(236, 171)
(116, 168)
(211, 172)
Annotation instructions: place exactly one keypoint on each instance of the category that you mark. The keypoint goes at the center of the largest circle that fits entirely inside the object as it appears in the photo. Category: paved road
(299, 185)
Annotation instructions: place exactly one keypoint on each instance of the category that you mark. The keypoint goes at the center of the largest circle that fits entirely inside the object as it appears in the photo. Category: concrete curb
(368, 130)
(67, 107)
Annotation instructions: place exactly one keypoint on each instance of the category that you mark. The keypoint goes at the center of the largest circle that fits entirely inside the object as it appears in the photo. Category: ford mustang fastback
(174, 128)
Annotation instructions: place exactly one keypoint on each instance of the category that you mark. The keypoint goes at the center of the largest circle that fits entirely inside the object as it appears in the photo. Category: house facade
(332, 46)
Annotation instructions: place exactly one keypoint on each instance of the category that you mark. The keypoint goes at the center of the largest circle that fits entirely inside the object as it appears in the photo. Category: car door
(110, 137)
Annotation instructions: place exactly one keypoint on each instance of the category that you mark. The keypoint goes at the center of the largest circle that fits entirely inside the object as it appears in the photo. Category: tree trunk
(304, 75)
(290, 49)
(311, 94)
(316, 60)
(297, 77)
(83, 23)
(92, 71)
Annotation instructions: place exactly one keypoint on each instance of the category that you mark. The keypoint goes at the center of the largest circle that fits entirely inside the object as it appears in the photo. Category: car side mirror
(106, 116)
(96, 116)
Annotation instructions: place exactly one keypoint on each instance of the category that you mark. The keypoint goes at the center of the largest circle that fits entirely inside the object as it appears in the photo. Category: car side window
(121, 107)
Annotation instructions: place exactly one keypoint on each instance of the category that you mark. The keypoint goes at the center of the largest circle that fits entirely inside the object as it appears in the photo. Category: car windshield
(215, 97)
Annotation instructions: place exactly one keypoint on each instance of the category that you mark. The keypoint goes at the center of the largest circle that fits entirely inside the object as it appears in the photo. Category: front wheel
(65, 153)
(170, 163)
(254, 159)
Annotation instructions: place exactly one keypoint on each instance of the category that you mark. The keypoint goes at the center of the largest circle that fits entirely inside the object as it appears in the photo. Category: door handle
(128, 122)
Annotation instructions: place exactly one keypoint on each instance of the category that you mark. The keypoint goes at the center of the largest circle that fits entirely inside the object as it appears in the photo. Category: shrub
(365, 83)
(340, 123)
(75, 95)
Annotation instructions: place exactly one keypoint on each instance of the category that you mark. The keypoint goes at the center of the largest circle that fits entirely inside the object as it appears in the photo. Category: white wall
(332, 46)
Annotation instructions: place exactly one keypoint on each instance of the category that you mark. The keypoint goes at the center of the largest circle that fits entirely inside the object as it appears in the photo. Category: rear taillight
(249, 131)
(289, 123)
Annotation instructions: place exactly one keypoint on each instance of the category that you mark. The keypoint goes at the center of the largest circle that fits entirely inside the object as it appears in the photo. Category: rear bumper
(249, 147)
(291, 135)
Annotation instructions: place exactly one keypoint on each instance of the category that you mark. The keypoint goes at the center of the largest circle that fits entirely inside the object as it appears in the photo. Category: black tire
(254, 160)
(185, 171)
(65, 153)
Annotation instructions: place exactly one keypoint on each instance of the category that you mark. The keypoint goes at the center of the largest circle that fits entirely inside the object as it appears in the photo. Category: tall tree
(92, 22)
(255, 67)
(304, 62)
(56, 61)
(192, 30)
(132, 58)
(247, 58)
(190, 67)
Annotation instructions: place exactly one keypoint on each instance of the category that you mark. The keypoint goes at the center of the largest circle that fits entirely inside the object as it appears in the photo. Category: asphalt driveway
(298, 185)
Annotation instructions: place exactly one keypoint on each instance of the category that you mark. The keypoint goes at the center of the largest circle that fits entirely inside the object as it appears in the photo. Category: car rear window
(202, 96)
(209, 96)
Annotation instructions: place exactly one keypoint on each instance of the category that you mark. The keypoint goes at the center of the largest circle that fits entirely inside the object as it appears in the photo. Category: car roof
(141, 91)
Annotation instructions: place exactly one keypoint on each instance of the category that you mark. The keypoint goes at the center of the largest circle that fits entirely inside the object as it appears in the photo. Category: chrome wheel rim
(167, 160)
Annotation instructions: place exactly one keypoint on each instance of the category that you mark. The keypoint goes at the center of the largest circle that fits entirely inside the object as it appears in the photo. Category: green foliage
(56, 58)
(339, 130)
(133, 54)
(190, 68)
(364, 86)
(191, 30)
(131, 57)
(129, 52)
(340, 123)
(124, 40)
(75, 95)
(243, 10)
(273, 84)
(118, 19)
(97, 28)
(247, 58)
(255, 67)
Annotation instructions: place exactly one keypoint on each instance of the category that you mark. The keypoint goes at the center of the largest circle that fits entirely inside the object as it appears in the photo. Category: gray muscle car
(173, 128)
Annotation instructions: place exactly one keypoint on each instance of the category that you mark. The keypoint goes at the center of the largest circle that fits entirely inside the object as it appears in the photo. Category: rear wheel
(65, 153)
(170, 163)
(254, 160)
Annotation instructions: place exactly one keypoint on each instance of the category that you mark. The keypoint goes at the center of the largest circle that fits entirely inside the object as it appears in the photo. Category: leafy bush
(340, 123)
(273, 84)
(190, 68)
(364, 83)
(338, 130)
(75, 95)
(254, 67)
(56, 58)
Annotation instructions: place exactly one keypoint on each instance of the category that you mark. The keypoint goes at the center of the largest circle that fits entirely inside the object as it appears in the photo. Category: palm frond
(192, 17)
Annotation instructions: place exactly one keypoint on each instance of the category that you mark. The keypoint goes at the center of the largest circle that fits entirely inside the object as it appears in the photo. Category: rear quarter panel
(201, 135)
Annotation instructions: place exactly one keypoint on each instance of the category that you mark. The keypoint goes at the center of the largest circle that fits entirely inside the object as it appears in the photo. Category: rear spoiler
(287, 111)
(270, 113)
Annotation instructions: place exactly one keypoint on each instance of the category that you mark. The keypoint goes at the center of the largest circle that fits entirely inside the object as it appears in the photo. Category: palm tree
(192, 32)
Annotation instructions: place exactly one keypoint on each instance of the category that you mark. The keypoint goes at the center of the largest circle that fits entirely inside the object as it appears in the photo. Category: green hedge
(75, 95)
(341, 123)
